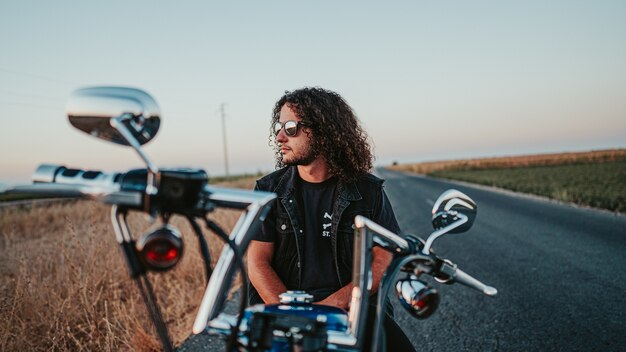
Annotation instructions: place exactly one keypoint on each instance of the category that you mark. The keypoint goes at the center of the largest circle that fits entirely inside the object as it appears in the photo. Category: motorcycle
(131, 117)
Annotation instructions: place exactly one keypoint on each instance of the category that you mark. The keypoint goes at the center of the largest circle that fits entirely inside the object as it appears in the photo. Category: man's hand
(341, 298)
(261, 273)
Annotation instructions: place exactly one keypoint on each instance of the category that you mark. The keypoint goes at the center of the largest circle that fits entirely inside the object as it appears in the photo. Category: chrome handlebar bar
(60, 182)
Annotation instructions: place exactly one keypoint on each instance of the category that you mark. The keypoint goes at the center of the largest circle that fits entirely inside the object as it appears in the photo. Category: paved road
(560, 272)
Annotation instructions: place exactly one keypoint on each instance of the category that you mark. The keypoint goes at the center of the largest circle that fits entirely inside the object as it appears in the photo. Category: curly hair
(336, 131)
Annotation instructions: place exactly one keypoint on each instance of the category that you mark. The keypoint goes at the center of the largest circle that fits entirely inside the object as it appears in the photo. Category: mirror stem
(433, 236)
(151, 184)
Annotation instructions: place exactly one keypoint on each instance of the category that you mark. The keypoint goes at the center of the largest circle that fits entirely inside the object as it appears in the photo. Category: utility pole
(224, 136)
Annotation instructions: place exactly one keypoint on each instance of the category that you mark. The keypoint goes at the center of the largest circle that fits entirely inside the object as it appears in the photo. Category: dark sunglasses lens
(291, 128)
(277, 128)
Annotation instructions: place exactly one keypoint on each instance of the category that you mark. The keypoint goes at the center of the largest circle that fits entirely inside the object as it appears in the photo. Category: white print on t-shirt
(325, 226)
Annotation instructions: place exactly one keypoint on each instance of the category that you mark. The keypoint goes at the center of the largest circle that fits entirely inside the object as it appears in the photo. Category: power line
(39, 106)
(28, 95)
(37, 76)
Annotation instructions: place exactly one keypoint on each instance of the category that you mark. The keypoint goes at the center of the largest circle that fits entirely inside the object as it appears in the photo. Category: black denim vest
(361, 197)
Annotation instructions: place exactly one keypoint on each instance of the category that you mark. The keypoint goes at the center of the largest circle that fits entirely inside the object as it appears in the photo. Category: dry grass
(65, 287)
(595, 179)
(514, 161)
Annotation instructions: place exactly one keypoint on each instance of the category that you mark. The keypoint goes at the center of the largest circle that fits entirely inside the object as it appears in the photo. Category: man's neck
(315, 172)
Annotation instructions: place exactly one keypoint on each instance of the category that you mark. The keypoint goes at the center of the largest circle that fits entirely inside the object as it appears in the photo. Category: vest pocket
(285, 252)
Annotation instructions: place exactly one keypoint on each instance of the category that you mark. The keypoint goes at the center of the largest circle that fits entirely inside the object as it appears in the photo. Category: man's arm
(380, 261)
(261, 273)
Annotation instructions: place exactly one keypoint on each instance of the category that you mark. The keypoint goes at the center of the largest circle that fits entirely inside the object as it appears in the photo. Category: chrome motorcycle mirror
(453, 212)
(447, 208)
(122, 115)
(92, 110)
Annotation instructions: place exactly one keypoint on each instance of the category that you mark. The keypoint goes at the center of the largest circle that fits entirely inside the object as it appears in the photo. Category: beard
(305, 157)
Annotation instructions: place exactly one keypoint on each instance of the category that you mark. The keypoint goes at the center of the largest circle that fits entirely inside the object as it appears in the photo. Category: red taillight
(420, 304)
(161, 252)
(162, 249)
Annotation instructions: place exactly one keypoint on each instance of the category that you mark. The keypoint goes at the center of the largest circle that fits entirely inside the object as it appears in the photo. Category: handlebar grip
(451, 272)
(464, 278)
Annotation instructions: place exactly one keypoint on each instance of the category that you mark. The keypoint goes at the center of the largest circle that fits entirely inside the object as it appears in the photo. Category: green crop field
(600, 185)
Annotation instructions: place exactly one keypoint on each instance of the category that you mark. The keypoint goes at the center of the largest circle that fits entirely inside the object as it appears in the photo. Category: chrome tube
(118, 124)
(52, 180)
(222, 323)
(237, 198)
(366, 233)
(105, 194)
(256, 207)
(382, 236)
(433, 236)
(361, 281)
(337, 339)
(118, 219)
(153, 170)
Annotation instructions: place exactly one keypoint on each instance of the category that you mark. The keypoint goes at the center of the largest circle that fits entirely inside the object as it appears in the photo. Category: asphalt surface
(560, 271)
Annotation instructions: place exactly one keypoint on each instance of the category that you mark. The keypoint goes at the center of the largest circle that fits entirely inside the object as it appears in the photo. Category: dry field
(596, 179)
(515, 161)
(65, 287)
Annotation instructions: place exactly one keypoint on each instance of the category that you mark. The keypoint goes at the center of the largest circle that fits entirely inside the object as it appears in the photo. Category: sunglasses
(291, 127)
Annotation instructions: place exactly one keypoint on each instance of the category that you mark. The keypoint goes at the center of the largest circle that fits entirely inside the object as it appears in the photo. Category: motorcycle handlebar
(56, 181)
(383, 237)
(451, 272)
(179, 191)
(446, 272)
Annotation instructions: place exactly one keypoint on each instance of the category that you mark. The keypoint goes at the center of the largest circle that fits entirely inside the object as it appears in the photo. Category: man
(323, 182)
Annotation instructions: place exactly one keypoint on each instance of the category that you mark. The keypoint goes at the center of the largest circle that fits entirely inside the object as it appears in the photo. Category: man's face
(295, 150)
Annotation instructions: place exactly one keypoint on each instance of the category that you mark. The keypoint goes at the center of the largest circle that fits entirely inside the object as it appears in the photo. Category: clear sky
(429, 79)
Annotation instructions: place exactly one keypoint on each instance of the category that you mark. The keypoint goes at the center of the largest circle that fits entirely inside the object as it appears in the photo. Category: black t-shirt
(319, 274)
(317, 266)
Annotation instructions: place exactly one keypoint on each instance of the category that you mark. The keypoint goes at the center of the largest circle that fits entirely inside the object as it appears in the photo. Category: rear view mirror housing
(453, 212)
(122, 115)
(447, 208)
(96, 110)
